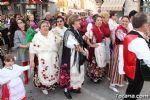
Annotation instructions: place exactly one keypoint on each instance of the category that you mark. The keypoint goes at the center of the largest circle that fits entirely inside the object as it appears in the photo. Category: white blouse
(141, 49)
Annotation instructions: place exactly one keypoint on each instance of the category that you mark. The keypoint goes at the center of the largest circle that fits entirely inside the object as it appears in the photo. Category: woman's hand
(85, 37)
(94, 45)
(25, 46)
(28, 45)
(81, 49)
(78, 48)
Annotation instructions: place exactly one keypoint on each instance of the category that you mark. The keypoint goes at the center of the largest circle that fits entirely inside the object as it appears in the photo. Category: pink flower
(62, 77)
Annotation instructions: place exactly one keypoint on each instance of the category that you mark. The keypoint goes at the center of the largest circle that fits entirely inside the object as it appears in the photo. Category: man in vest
(136, 49)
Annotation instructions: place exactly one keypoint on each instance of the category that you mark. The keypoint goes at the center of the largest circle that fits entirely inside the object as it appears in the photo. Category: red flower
(62, 77)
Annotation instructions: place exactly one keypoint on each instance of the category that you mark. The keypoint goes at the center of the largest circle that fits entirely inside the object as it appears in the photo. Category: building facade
(131, 5)
(123, 7)
(146, 6)
(38, 7)
(113, 5)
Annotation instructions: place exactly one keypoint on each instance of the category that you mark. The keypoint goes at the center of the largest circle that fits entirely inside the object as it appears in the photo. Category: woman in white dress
(45, 46)
(59, 30)
(117, 63)
(73, 57)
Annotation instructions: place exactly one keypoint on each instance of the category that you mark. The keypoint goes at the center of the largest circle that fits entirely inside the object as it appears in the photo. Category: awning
(112, 5)
(4, 2)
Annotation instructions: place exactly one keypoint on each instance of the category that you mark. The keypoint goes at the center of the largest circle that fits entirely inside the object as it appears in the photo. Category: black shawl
(67, 51)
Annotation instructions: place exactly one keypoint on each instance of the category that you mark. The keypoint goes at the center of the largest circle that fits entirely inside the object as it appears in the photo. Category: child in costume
(12, 85)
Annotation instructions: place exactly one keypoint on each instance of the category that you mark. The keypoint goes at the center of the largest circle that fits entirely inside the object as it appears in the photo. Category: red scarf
(5, 92)
(97, 33)
(105, 29)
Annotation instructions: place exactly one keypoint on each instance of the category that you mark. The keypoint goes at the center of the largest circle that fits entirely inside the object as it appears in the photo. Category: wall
(52, 8)
(131, 5)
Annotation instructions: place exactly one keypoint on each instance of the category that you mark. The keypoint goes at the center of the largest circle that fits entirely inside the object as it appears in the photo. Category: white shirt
(141, 49)
(113, 26)
(89, 32)
(60, 31)
(130, 27)
(12, 78)
(120, 35)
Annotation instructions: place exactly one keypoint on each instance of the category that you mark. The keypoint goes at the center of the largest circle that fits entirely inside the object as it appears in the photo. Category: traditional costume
(46, 74)
(72, 69)
(97, 57)
(135, 49)
(117, 64)
(106, 31)
(107, 34)
(12, 85)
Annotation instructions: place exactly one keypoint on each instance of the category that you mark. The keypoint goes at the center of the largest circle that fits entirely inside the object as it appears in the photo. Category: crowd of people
(65, 48)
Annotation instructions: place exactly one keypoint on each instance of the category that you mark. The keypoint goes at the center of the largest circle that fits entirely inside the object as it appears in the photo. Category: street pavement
(90, 91)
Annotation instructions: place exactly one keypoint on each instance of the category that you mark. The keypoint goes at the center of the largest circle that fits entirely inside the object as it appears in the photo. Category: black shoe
(82, 83)
(76, 91)
(68, 95)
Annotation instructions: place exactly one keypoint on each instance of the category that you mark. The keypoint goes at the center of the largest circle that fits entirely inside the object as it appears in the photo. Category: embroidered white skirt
(100, 55)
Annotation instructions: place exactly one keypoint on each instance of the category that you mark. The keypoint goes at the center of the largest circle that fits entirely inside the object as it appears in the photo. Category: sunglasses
(59, 21)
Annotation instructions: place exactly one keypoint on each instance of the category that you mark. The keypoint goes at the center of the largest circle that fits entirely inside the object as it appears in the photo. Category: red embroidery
(64, 76)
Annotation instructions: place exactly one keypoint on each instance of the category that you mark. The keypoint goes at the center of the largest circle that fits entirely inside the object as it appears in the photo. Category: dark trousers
(135, 86)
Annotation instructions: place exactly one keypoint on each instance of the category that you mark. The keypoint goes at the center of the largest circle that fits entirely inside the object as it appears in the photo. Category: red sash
(5, 92)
